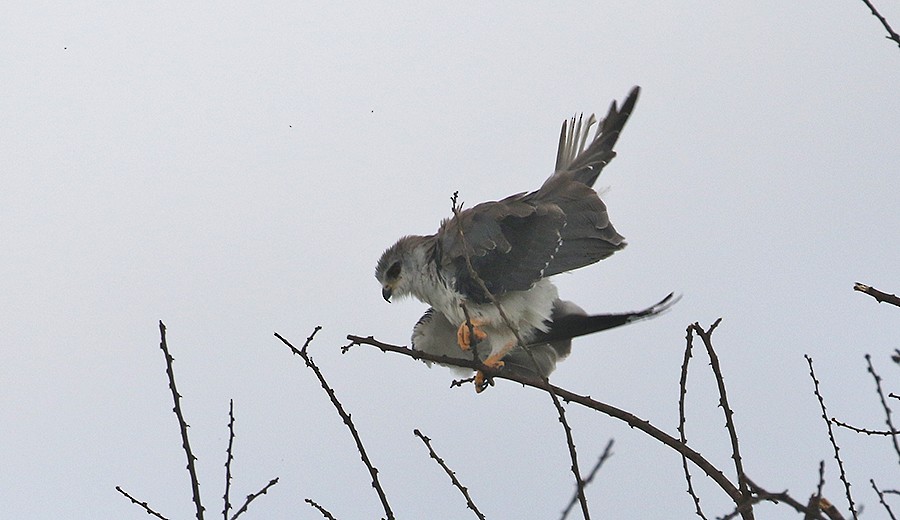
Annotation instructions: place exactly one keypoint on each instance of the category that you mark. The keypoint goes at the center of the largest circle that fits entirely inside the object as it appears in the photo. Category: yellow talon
(494, 362)
(462, 334)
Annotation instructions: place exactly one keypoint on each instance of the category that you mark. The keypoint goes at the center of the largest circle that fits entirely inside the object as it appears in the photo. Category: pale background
(236, 169)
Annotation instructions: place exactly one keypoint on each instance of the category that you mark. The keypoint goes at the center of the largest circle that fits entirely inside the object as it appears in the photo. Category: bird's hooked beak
(386, 292)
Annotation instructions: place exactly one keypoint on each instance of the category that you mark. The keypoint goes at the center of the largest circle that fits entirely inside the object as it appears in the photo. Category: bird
(485, 273)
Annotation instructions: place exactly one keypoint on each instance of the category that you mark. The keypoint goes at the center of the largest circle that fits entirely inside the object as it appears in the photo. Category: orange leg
(462, 333)
(495, 362)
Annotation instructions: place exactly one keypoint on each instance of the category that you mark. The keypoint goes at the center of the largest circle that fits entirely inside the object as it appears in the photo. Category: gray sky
(236, 169)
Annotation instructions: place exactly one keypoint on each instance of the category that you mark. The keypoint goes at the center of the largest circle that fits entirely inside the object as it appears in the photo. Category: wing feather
(562, 226)
(510, 243)
(586, 163)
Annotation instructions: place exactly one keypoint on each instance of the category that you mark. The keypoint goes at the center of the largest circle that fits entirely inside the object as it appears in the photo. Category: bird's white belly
(528, 311)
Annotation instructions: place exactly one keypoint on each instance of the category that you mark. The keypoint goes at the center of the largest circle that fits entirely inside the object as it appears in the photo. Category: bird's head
(399, 265)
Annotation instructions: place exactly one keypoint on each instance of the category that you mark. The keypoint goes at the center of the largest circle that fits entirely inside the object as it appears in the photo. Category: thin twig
(570, 441)
(821, 484)
(195, 484)
(706, 336)
(762, 494)
(373, 472)
(142, 504)
(887, 409)
(875, 293)
(579, 482)
(321, 509)
(635, 422)
(891, 34)
(750, 502)
(689, 345)
(815, 500)
(607, 453)
(253, 496)
(863, 430)
(837, 454)
(228, 458)
(450, 473)
(881, 499)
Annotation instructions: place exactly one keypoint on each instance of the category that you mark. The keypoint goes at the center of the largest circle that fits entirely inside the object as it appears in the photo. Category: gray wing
(589, 236)
(510, 243)
(564, 225)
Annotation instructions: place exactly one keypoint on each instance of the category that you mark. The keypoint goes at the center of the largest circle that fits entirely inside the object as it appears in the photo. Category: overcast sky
(236, 169)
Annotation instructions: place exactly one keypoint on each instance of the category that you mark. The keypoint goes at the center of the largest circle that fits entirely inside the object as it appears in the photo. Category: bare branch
(881, 499)
(142, 504)
(344, 415)
(689, 344)
(837, 450)
(887, 409)
(891, 34)
(450, 473)
(863, 430)
(607, 453)
(228, 458)
(875, 293)
(185, 443)
(635, 422)
(579, 482)
(706, 336)
(321, 509)
(761, 494)
(815, 500)
(251, 497)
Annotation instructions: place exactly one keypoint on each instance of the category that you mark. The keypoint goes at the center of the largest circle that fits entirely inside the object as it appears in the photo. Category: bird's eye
(394, 271)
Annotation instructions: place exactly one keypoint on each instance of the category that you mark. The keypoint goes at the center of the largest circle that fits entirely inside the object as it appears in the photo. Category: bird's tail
(573, 325)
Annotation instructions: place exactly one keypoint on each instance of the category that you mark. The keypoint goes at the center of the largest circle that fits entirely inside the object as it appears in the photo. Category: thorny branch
(570, 397)
(887, 409)
(228, 459)
(779, 497)
(607, 453)
(881, 499)
(195, 484)
(891, 34)
(815, 500)
(689, 345)
(187, 448)
(863, 430)
(632, 420)
(321, 509)
(142, 504)
(450, 473)
(253, 496)
(837, 454)
(344, 415)
(706, 336)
